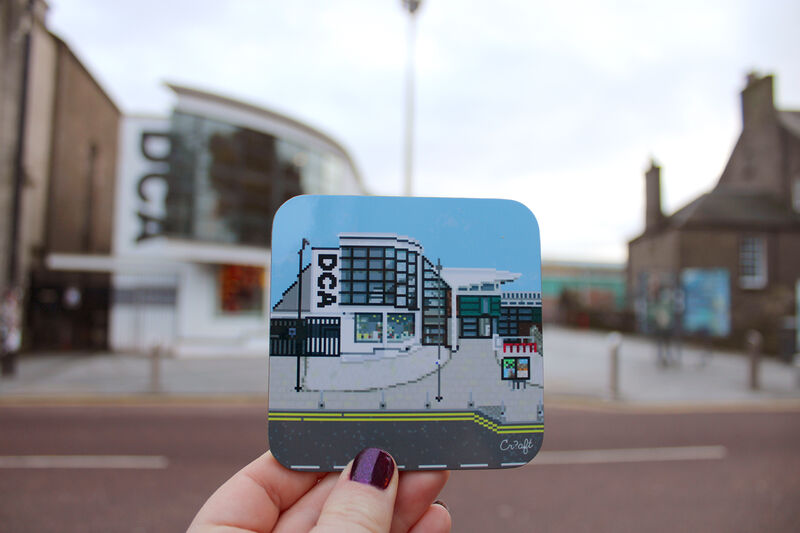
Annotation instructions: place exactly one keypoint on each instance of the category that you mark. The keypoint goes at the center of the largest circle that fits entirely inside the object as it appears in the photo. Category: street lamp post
(411, 6)
(441, 331)
(299, 339)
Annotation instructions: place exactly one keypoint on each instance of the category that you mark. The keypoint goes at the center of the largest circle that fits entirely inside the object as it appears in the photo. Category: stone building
(729, 261)
(58, 155)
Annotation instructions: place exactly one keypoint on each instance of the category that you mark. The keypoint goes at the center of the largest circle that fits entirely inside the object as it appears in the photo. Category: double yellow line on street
(405, 416)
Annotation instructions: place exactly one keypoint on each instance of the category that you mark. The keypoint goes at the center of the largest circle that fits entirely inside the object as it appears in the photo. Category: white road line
(432, 466)
(516, 464)
(305, 467)
(475, 465)
(140, 462)
(339, 467)
(630, 455)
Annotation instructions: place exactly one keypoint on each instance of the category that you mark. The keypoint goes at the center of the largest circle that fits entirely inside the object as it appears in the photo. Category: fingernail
(440, 502)
(373, 466)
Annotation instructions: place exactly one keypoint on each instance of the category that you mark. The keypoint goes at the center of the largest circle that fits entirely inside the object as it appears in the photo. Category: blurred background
(145, 147)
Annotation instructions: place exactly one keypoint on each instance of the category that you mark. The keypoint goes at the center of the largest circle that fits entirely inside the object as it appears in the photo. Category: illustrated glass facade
(378, 275)
(399, 327)
(435, 305)
(517, 321)
(479, 315)
(369, 327)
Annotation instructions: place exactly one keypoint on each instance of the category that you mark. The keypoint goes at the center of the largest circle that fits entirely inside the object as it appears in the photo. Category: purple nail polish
(373, 466)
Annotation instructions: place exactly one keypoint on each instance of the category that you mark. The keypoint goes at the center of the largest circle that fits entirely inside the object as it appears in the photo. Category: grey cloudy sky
(556, 104)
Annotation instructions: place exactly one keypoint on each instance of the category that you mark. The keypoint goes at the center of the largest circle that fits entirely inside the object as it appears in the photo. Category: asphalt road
(599, 470)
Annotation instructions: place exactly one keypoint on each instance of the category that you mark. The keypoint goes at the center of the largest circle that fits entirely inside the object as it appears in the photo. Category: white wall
(138, 325)
(203, 329)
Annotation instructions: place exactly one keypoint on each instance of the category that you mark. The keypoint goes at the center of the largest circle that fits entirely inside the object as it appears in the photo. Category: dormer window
(753, 262)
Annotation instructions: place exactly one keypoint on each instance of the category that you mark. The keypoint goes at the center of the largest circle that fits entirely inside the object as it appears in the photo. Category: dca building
(195, 196)
(377, 295)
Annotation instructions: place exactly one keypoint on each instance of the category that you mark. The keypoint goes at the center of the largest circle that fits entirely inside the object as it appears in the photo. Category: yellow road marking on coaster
(399, 416)
(428, 415)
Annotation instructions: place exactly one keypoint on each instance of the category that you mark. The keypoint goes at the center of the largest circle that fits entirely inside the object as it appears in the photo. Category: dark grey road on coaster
(441, 444)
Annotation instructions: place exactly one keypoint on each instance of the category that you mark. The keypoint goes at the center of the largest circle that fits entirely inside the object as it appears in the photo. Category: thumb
(362, 500)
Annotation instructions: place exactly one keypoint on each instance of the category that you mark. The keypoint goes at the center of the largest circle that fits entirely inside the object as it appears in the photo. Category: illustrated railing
(515, 344)
(313, 337)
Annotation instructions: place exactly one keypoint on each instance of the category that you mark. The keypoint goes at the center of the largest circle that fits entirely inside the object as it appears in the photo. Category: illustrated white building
(377, 295)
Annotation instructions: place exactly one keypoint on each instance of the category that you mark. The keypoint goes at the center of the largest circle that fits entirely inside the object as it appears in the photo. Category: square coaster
(408, 324)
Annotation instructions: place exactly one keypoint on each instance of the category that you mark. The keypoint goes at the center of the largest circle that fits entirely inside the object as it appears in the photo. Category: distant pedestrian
(663, 321)
(10, 328)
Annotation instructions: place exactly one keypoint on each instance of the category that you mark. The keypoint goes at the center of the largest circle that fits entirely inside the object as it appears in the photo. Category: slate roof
(735, 208)
(790, 121)
(729, 208)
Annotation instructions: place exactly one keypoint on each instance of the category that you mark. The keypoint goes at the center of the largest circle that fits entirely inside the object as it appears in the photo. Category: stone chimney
(758, 106)
(653, 214)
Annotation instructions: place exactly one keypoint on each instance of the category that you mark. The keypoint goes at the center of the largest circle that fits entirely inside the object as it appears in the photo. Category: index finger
(254, 497)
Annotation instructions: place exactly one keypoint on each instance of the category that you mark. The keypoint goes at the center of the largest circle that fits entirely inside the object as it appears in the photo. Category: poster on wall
(410, 324)
(707, 301)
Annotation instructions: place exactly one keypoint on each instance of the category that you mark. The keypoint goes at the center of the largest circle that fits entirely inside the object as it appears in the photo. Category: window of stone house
(753, 262)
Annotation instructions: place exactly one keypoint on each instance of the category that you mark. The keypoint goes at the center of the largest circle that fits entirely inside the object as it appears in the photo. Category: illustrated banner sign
(325, 279)
(372, 342)
(707, 300)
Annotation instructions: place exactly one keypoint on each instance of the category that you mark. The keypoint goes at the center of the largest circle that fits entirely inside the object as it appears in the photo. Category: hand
(368, 496)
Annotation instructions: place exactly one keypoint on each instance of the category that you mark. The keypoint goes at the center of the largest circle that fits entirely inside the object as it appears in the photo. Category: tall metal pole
(14, 277)
(299, 338)
(441, 330)
(408, 160)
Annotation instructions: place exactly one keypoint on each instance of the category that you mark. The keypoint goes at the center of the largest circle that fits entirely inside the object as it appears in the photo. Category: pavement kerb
(606, 404)
(134, 400)
(552, 400)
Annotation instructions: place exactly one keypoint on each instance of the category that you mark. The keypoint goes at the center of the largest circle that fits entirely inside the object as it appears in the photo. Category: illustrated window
(369, 327)
(399, 327)
(511, 318)
(373, 271)
(469, 327)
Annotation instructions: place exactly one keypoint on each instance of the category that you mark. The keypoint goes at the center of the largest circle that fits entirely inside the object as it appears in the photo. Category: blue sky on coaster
(466, 233)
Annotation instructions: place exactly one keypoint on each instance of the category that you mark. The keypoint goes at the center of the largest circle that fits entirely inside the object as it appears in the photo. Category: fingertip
(364, 495)
(373, 466)
(437, 519)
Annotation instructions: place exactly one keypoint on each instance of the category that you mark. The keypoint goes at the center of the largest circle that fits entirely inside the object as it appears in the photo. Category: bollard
(155, 369)
(796, 365)
(754, 341)
(8, 363)
(614, 340)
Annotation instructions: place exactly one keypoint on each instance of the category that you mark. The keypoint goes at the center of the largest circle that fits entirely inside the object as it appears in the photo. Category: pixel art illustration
(410, 324)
